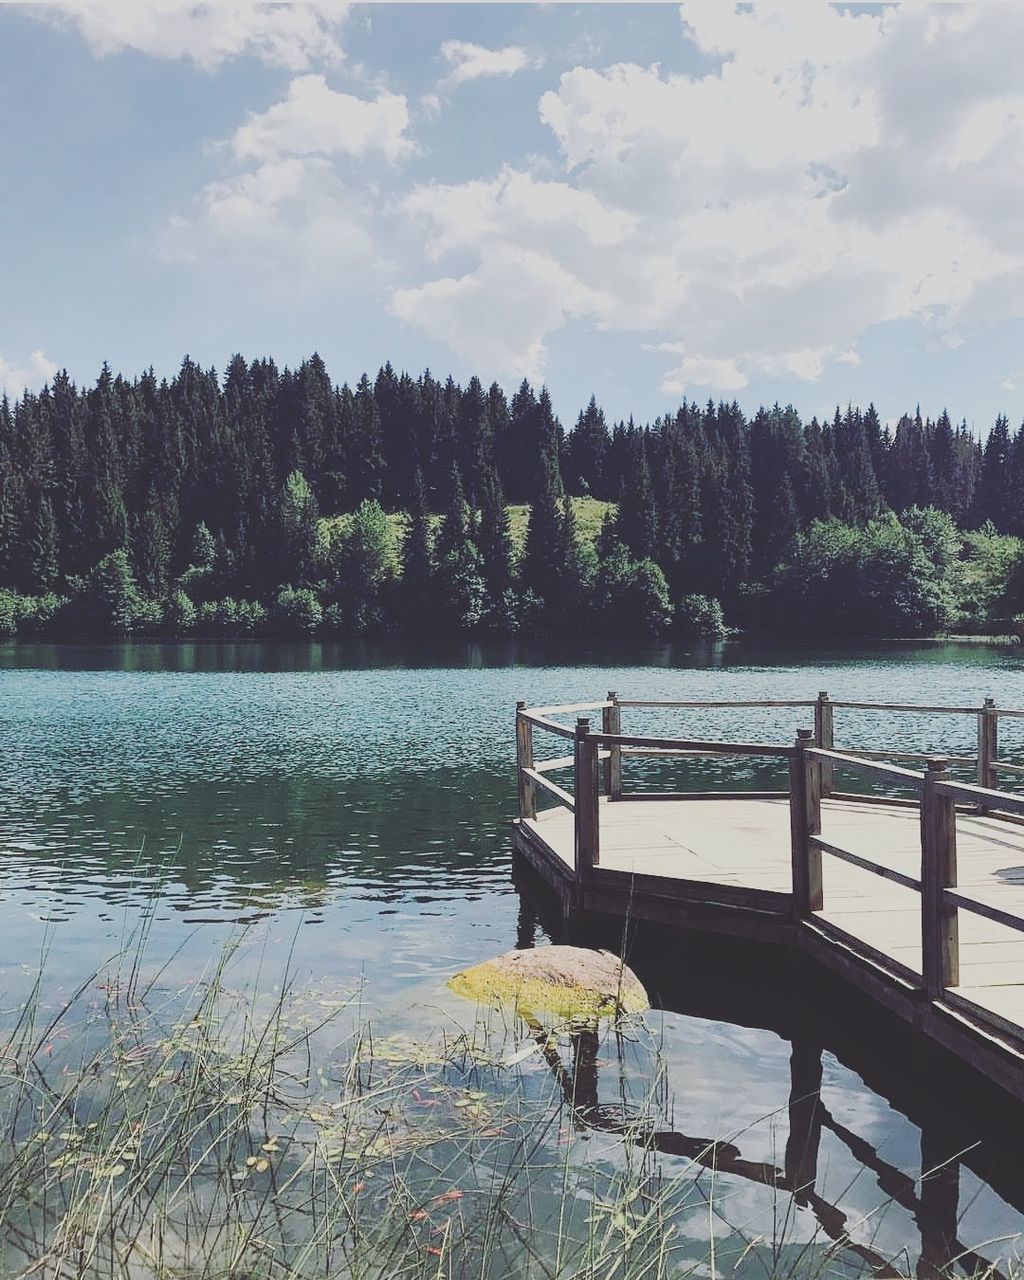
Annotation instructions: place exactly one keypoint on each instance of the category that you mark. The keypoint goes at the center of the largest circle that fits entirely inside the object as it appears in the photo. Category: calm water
(350, 806)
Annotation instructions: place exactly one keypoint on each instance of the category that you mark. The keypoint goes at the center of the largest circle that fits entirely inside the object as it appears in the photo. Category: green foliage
(231, 617)
(882, 580)
(180, 614)
(631, 595)
(697, 615)
(8, 613)
(40, 614)
(297, 518)
(296, 611)
(363, 559)
(203, 548)
(43, 547)
(588, 513)
(153, 553)
(988, 580)
(215, 486)
(109, 600)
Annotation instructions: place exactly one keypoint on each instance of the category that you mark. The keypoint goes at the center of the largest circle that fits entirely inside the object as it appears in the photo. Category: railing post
(823, 737)
(988, 744)
(586, 800)
(805, 821)
(524, 760)
(940, 938)
(612, 723)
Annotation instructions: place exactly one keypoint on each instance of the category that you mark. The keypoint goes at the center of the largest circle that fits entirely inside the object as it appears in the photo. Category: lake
(344, 809)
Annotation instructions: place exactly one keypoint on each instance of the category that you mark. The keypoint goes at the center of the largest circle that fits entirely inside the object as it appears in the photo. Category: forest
(272, 501)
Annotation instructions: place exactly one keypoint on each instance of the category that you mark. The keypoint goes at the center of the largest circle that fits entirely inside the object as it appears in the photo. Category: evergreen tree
(417, 557)
(544, 566)
(585, 450)
(495, 539)
(297, 520)
(42, 548)
(993, 500)
(153, 553)
(638, 517)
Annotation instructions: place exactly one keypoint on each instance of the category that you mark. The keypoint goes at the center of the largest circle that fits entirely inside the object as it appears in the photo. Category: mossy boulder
(569, 982)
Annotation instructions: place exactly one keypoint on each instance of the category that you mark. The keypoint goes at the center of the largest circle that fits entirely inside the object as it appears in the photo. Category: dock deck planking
(746, 843)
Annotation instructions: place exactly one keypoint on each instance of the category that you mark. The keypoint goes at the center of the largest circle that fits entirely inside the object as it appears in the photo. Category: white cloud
(291, 210)
(500, 313)
(485, 313)
(700, 371)
(471, 61)
(293, 36)
(1009, 384)
(289, 226)
(16, 378)
(830, 172)
(316, 120)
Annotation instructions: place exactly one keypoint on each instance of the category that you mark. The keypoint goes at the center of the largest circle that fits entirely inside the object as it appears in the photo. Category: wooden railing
(985, 761)
(937, 797)
(596, 769)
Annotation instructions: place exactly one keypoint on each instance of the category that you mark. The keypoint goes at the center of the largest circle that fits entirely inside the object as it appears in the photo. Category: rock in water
(570, 982)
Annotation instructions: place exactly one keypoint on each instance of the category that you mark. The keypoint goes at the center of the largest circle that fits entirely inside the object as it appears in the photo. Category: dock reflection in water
(929, 1212)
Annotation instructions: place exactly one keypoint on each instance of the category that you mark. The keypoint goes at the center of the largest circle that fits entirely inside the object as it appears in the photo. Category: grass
(589, 513)
(271, 1131)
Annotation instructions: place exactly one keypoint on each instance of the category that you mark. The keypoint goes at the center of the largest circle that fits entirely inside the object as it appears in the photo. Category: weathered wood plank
(865, 864)
(940, 934)
(560, 794)
(524, 761)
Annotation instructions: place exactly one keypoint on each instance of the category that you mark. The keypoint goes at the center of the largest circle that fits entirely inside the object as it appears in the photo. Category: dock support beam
(588, 790)
(804, 1139)
(524, 760)
(940, 933)
(611, 722)
(805, 821)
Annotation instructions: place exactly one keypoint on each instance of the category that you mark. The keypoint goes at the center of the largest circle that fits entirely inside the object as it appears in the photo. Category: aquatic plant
(149, 1129)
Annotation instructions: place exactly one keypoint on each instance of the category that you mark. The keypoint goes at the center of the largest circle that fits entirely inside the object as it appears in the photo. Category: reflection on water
(353, 809)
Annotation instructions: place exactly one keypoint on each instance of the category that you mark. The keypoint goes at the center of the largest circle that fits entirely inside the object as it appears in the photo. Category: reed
(211, 1131)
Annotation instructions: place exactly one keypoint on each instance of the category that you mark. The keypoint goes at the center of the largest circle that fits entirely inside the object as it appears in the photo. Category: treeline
(273, 499)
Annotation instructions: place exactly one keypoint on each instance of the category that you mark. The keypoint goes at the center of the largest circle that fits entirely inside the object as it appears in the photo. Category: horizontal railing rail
(561, 795)
(542, 722)
(692, 746)
(748, 704)
(812, 762)
(871, 768)
(865, 864)
(983, 797)
(915, 707)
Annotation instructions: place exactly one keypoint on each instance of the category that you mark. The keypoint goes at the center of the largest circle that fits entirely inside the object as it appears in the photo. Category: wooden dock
(915, 897)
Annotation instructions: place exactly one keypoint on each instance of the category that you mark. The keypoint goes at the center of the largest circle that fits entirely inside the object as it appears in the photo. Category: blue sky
(804, 203)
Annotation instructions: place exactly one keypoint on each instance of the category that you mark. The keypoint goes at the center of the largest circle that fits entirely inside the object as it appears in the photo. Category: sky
(803, 203)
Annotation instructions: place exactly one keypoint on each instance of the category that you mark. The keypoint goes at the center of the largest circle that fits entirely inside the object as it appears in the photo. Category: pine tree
(585, 450)
(417, 557)
(543, 565)
(495, 539)
(638, 516)
(297, 521)
(42, 548)
(152, 552)
(993, 497)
